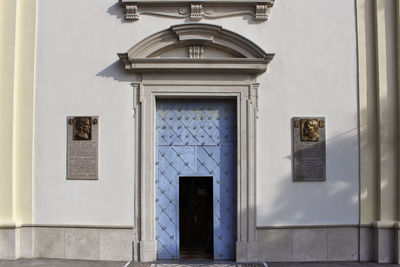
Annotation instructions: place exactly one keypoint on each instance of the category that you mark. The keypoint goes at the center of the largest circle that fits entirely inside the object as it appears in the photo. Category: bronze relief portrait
(309, 130)
(82, 128)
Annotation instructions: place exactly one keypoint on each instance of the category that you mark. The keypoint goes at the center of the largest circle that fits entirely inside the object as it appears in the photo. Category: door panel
(196, 138)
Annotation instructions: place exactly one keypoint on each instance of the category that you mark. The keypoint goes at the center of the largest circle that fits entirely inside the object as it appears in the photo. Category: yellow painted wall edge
(17, 80)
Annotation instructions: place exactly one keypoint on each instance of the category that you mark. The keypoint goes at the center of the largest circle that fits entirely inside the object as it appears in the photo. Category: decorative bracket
(136, 95)
(131, 12)
(210, 9)
(196, 11)
(262, 12)
(253, 97)
(196, 51)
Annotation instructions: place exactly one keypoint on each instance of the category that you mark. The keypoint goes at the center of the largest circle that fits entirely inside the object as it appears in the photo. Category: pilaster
(386, 83)
(387, 124)
(368, 123)
(8, 14)
(397, 225)
(379, 114)
(17, 58)
(17, 33)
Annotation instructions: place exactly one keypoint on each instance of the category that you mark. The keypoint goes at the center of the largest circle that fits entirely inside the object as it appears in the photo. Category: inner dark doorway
(196, 217)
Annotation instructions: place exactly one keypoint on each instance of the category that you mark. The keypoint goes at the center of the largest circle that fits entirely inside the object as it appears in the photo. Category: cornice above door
(197, 10)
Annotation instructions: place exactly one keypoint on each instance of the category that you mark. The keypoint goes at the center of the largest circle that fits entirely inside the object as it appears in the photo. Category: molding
(197, 10)
(246, 57)
(308, 226)
(198, 65)
(15, 226)
(385, 224)
(366, 225)
(9, 226)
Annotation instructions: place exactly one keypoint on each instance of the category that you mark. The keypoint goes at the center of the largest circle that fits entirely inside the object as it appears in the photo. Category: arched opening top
(195, 47)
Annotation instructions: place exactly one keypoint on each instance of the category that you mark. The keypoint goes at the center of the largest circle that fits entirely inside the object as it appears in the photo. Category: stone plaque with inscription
(309, 160)
(82, 152)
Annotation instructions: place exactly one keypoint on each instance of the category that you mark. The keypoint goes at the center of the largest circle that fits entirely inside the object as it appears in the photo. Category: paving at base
(84, 263)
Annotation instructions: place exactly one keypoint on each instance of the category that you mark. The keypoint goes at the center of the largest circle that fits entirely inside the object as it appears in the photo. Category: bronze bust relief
(309, 130)
(82, 128)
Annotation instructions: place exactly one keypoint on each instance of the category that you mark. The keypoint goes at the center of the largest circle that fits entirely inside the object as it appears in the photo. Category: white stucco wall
(313, 73)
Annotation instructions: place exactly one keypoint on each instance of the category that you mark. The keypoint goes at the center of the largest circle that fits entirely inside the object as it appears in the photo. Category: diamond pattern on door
(195, 138)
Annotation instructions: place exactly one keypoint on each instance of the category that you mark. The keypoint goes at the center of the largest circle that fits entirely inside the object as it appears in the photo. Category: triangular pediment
(201, 47)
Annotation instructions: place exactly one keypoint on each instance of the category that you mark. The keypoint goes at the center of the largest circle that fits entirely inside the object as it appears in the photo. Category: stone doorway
(229, 71)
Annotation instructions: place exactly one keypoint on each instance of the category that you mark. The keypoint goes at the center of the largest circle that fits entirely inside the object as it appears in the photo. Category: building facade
(187, 115)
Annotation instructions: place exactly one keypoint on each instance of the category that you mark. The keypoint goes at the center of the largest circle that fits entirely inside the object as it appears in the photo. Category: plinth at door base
(147, 249)
(246, 251)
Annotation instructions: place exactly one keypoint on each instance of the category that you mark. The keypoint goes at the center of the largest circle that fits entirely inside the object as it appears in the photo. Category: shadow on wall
(117, 11)
(117, 72)
(320, 202)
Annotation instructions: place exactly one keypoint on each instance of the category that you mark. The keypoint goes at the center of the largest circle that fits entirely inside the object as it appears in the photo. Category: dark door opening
(196, 217)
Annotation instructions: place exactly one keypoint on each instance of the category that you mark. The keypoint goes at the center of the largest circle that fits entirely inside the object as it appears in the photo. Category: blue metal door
(196, 138)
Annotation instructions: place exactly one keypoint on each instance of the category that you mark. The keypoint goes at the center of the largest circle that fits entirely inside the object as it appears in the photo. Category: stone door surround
(195, 74)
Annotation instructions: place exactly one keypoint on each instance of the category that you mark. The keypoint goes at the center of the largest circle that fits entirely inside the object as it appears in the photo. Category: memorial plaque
(82, 152)
(309, 160)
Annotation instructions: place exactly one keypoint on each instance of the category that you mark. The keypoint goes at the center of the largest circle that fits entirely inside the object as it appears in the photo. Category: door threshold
(196, 263)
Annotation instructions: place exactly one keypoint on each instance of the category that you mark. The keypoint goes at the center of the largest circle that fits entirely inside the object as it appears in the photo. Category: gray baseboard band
(14, 226)
(11, 226)
(311, 226)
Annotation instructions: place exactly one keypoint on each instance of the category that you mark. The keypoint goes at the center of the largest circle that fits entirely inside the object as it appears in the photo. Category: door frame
(146, 93)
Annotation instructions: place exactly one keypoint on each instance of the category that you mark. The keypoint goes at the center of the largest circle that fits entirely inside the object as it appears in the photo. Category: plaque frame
(308, 149)
(82, 148)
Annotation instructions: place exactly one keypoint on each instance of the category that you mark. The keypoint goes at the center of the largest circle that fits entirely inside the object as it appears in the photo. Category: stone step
(213, 264)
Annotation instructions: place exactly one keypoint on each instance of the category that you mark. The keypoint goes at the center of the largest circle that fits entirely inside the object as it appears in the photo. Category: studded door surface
(196, 138)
